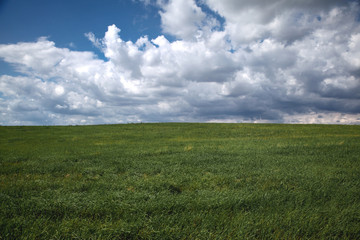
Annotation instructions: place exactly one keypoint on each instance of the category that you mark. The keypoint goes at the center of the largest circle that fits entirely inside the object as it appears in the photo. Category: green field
(180, 181)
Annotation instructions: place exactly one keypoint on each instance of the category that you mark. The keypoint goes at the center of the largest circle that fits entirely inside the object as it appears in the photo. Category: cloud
(273, 61)
(182, 19)
(287, 21)
(185, 19)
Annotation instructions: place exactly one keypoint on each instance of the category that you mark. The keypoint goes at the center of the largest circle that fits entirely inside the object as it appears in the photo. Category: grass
(180, 181)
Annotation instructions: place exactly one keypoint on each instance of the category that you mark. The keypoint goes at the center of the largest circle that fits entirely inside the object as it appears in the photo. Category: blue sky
(116, 61)
(66, 21)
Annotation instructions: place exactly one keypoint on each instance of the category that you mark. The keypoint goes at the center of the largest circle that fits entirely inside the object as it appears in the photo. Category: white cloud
(273, 61)
(186, 20)
(323, 118)
(287, 21)
(352, 55)
(182, 19)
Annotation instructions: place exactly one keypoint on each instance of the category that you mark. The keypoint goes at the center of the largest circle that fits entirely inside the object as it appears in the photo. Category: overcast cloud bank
(233, 61)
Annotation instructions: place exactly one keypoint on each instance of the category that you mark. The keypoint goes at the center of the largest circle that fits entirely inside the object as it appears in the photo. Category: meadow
(180, 181)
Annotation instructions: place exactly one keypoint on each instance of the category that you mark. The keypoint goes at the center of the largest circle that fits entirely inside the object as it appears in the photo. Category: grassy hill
(180, 181)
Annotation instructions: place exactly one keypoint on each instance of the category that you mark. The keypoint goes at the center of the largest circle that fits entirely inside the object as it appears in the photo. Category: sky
(127, 61)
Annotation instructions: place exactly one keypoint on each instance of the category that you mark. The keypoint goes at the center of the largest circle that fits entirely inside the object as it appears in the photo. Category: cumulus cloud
(273, 61)
(182, 18)
(287, 21)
